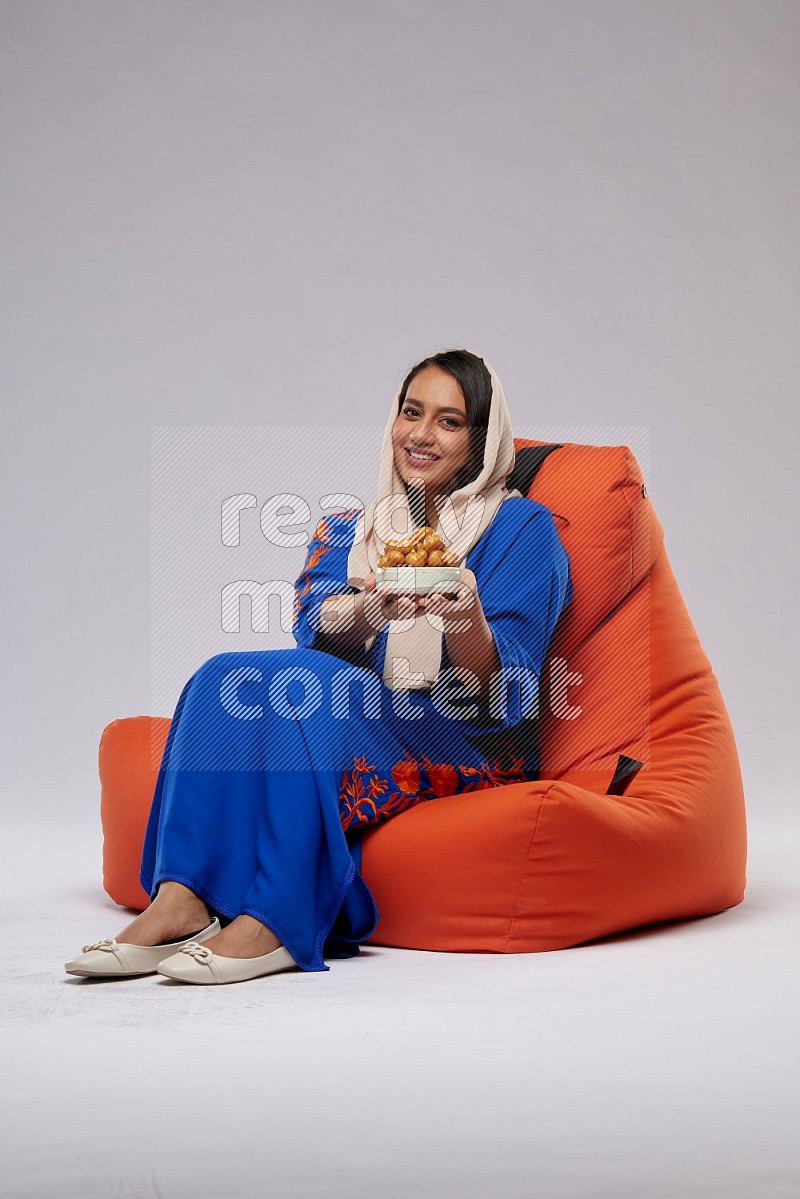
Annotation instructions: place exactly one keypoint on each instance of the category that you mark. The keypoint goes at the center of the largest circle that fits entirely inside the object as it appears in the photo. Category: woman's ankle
(178, 897)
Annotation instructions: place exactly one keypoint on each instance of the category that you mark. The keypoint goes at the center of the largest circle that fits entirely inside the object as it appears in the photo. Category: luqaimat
(423, 547)
(418, 563)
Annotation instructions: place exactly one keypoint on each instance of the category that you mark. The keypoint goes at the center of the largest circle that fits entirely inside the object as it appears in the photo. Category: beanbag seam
(525, 861)
(644, 709)
(631, 522)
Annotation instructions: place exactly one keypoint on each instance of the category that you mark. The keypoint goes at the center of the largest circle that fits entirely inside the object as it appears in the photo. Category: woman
(277, 760)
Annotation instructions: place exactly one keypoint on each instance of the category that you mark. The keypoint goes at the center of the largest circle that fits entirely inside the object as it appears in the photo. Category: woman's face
(433, 423)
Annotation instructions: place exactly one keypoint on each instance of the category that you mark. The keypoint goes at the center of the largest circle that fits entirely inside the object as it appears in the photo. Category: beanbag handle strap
(527, 461)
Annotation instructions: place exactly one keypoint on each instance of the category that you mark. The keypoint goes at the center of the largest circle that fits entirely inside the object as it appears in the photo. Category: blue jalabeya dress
(276, 760)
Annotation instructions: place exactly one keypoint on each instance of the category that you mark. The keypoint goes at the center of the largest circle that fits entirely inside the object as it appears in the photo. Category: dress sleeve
(524, 585)
(324, 573)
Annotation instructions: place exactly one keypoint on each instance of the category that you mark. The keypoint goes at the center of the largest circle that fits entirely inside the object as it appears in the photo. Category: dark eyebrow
(421, 404)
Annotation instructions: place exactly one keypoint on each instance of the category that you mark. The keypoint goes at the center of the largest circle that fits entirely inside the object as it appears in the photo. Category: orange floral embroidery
(318, 547)
(444, 779)
(416, 782)
(406, 775)
(317, 552)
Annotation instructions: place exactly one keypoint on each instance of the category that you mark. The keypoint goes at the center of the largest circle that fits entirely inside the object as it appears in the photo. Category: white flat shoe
(196, 963)
(111, 958)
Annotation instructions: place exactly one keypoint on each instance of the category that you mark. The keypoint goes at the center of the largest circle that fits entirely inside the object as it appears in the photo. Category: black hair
(472, 376)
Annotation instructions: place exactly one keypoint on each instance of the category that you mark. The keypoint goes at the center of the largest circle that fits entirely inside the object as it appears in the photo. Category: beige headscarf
(462, 518)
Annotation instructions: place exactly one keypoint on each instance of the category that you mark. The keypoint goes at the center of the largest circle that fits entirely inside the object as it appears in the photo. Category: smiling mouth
(420, 458)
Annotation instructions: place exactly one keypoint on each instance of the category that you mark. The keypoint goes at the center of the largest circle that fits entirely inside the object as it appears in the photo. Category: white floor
(659, 1063)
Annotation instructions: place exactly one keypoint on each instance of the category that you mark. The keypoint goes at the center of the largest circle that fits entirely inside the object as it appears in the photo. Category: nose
(422, 434)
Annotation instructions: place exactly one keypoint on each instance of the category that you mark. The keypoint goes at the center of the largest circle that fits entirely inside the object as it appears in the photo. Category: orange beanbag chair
(639, 813)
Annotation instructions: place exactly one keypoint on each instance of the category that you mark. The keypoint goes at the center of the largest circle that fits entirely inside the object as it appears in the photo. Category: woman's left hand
(460, 611)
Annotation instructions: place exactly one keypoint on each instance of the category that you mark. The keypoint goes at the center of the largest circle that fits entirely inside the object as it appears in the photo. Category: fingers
(407, 606)
(401, 607)
(437, 602)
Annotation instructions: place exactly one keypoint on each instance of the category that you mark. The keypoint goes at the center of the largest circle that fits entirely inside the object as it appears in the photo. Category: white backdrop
(261, 213)
(258, 214)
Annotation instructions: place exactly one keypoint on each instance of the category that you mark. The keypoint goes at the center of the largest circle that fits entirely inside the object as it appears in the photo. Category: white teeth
(426, 457)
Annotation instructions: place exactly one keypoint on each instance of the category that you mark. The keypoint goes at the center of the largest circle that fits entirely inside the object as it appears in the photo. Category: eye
(452, 421)
(408, 409)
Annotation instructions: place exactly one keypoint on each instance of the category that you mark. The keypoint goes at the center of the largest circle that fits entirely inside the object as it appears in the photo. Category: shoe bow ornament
(108, 944)
(196, 950)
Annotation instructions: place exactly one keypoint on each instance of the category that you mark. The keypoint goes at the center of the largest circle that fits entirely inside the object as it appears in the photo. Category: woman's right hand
(382, 606)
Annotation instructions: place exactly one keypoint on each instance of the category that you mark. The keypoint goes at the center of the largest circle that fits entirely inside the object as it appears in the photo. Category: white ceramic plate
(409, 580)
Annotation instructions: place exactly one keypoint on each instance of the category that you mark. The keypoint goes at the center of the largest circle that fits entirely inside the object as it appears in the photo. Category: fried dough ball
(420, 558)
(423, 547)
